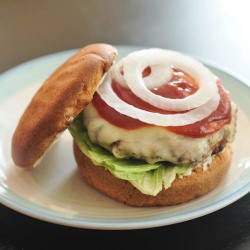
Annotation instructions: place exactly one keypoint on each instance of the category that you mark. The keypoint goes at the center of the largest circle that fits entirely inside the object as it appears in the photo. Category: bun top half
(58, 101)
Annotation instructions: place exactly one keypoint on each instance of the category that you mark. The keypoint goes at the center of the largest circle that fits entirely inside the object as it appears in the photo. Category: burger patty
(154, 144)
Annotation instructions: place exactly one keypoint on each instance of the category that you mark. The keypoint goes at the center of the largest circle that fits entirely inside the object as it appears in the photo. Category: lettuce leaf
(148, 178)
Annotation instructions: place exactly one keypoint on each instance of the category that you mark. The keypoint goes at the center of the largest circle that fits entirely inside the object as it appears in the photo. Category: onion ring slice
(107, 93)
(136, 62)
(160, 74)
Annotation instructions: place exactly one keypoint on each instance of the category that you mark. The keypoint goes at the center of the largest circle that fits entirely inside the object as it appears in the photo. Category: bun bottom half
(182, 189)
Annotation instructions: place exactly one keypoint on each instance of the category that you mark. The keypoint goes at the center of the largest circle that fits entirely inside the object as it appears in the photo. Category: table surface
(215, 30)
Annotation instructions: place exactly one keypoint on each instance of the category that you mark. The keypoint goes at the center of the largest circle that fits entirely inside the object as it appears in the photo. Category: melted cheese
(153, 144)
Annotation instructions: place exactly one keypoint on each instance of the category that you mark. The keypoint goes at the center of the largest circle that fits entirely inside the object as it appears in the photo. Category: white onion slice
(136, 62)
(107, 93)
(117, 75)
(160, 73)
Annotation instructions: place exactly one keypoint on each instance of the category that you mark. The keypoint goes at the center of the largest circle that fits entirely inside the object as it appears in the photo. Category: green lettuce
(146, 177)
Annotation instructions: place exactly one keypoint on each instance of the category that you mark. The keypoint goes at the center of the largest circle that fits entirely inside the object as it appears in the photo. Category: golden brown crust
(61, 97)
(182, 189)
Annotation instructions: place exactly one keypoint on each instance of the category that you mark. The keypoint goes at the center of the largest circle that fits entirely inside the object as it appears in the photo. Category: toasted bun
(182, 189)
(59, 100)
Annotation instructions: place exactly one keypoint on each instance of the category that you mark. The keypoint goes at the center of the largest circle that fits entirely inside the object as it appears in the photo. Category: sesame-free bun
(58, 101)
(182, 189)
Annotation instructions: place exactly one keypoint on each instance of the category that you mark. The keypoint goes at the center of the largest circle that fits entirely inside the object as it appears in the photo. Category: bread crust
(182, 189)
(61, 98)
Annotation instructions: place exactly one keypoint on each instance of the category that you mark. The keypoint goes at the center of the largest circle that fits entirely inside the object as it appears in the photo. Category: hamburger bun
(58, 101)
(182, 189)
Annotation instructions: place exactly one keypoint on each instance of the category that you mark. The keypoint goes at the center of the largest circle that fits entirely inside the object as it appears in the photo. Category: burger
(153, 129)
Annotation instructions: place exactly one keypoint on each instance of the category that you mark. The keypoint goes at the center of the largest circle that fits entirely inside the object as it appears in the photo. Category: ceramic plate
(55, 192)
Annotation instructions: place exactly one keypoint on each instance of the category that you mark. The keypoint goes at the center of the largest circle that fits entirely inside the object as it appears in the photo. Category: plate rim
(114, 224)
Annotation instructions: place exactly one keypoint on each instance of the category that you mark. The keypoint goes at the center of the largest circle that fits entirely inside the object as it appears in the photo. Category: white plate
(55, 192)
